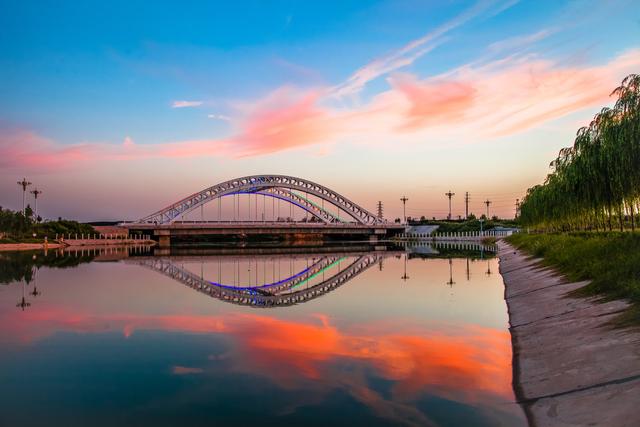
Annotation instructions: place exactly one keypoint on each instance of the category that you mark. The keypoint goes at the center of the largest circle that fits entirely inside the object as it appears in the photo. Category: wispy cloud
(413, 50)
(219, 117)
(186, 104)
(519, 42)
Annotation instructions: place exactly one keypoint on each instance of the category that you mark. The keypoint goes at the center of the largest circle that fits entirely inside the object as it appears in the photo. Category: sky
(117, 109)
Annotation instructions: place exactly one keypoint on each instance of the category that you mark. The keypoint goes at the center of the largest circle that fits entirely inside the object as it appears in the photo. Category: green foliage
(610, 260)
(596, 182)
(466, 226)
(19, 228)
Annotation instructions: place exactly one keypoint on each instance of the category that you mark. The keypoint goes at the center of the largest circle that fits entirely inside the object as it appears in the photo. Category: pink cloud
(433, 101)
(285, 120)
(501, 98)
(26, 149)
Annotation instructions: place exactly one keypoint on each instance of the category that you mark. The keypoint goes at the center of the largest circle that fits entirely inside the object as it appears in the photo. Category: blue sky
(79, 74)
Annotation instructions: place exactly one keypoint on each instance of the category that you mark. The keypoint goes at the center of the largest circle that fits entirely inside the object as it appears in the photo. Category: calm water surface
(240, 337)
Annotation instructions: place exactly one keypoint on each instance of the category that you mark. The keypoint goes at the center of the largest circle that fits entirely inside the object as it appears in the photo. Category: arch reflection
(324, 274)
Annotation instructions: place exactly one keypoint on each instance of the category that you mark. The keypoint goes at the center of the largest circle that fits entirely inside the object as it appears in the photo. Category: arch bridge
(331, 213)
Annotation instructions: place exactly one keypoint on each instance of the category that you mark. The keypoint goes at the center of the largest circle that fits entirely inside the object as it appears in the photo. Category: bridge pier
(164, 238)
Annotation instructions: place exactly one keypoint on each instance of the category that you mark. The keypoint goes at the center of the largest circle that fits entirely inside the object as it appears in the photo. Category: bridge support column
(164, 241)
(164, 238)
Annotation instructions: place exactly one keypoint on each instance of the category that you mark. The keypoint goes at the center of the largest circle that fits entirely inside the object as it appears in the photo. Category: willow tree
(597, 180)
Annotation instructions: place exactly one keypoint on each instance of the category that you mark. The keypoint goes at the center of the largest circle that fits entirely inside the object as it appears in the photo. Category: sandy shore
(571, 368)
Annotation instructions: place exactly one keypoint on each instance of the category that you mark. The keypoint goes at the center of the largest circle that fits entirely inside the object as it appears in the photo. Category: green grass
(611, 261)
(463, 226)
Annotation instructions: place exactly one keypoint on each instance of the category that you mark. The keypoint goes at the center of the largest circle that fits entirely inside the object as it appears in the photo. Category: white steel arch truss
(280, 186)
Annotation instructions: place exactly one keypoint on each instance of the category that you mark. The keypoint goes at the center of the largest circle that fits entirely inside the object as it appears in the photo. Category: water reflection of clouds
(471, 366)
(386, 344)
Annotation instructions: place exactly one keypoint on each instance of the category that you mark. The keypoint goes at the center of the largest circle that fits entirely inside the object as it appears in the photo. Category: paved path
(571, 367)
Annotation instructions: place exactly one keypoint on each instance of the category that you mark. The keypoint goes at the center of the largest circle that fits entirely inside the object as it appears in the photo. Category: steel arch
(267, 183)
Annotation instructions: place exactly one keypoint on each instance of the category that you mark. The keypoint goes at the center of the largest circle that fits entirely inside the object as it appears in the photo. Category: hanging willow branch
(595, 184)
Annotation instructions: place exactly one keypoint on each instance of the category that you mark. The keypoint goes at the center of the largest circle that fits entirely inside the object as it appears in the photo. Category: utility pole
(449, 195)
(466, 205)
(404, 200)
(24, 184)
(380, 215)
(36, 193)
(487, 202)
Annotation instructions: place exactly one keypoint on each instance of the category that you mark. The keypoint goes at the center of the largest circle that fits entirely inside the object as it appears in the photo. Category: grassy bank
(611, 261)
(464, 226)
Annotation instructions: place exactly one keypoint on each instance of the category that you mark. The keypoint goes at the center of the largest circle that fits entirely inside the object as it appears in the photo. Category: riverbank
(28, 246)
(75, 243)
(571, 366)
(609, 261)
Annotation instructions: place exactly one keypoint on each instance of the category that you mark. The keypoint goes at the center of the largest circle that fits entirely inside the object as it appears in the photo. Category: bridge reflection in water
(260, 277)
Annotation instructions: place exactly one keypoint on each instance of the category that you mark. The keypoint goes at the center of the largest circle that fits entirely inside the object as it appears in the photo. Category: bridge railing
(457, 236)
(101, 236)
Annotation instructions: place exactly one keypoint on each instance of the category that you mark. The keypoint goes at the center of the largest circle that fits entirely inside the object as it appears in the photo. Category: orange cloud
(467, 363)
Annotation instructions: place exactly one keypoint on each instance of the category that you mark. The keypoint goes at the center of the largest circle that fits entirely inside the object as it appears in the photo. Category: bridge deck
(164, 232)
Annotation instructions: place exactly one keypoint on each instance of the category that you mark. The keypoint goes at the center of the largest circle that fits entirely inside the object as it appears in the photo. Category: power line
(466, 204)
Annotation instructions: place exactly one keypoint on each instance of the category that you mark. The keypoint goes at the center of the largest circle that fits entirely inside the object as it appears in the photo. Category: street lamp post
(24, 184)
(36, 193)
(449, 195)
(404, 199)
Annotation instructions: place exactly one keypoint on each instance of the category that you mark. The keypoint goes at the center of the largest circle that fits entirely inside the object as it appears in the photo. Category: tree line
(14, 226)
(594, 184)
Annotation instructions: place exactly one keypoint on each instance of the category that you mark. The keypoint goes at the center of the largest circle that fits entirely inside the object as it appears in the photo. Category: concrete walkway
(570, 367)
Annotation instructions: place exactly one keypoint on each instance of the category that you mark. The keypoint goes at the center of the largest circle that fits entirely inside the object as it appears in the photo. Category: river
(349, 335)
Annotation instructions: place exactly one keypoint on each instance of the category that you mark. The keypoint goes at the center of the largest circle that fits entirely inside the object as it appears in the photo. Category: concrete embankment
(571, 366)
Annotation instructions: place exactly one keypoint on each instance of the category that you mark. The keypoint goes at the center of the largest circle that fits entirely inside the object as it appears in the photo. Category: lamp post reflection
(404, 276)
(451, 282)
(23, 303)
(35, 291)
